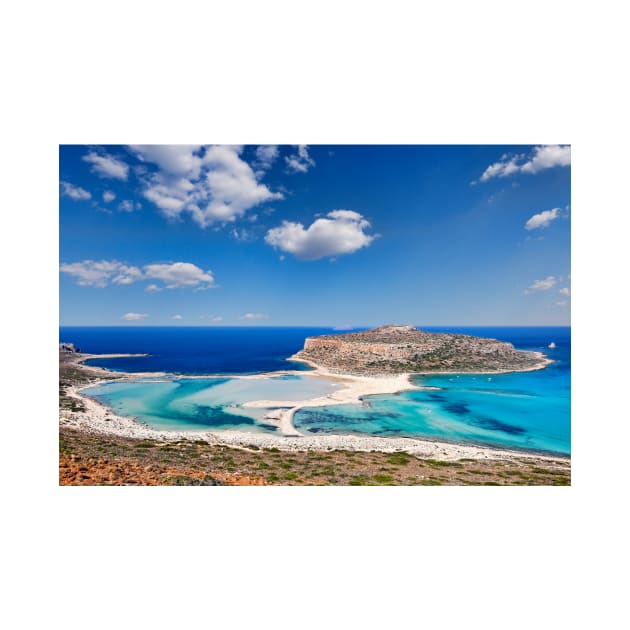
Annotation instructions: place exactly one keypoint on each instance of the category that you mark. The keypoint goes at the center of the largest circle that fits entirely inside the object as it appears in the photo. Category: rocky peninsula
(406, 349)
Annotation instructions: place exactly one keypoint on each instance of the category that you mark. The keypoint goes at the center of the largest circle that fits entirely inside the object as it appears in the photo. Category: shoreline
(541, 365)
(99, 419)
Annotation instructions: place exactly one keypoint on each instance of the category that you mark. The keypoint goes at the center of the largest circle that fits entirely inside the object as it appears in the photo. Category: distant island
(405, 349)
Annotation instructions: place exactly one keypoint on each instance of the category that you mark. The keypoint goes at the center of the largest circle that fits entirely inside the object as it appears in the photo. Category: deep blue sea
(530, 410)
(194, 350)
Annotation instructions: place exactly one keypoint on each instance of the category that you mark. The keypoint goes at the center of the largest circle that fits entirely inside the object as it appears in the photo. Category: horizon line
(340, 329)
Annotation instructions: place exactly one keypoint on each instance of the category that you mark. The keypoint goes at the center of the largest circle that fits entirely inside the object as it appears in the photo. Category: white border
(483, 72)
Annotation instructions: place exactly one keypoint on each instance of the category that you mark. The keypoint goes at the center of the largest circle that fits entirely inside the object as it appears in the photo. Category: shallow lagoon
(503, 412)
(205, 403)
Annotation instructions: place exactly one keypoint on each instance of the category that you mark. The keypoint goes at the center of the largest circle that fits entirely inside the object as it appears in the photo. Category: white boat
(551, 345)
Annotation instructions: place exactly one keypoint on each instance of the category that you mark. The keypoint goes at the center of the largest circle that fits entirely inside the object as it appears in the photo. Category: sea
(529, 410)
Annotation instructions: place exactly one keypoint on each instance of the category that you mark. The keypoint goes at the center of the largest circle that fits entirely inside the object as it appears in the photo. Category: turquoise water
(504, 412)
(205, 403)
(529, 410)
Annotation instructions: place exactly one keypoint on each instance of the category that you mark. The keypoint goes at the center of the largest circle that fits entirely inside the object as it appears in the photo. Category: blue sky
(314, 235)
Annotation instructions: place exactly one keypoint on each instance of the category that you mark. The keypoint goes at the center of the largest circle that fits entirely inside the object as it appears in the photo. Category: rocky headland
(405, 349)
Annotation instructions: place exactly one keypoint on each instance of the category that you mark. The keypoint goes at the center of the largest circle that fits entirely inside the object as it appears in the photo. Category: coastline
(96, 418)
(543, 362)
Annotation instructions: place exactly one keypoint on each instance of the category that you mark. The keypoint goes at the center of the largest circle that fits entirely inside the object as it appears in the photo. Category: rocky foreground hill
(398, 349)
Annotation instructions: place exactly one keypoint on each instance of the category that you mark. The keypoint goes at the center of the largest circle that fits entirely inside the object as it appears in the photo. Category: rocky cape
(404, 349)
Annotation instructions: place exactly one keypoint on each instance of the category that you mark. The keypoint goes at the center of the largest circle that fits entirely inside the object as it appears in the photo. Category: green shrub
(382, 478)
(399, 459)
(359, 481)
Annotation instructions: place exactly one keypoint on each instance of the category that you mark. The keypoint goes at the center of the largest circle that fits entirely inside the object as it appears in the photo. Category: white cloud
(250, 316)
(342, 232)
(174, 275)
(547, 157)
(179, 275)
(266, 155)
(74, 192)
(108, 196)
(562, 303)
(128, 206)
(127, 275)
(133, 317)
(100, 273)
(177, 317)
(178, 160)
(541, 285)
(212, 184)
(504, 167)
(216, 319)
(565, 291)
(299, 162)
(107, 166)
(542, 219)
(540, 158)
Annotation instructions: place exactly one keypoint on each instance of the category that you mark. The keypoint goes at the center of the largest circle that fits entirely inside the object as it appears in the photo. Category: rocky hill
(398, 349)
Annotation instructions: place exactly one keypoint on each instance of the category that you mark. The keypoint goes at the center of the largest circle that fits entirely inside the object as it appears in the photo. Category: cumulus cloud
(562, 303)
(250, 316)
(180, 274)
(105, 165)
(177, 317)
(565, 291)
(133, 317)
(547, 157)
(178, 160)
(174, 275)
(541, 285)
(340, 232)
(212, 184)
(542, 219)
(74, 192)
(266, 155)
(540, 158)
(127, 275)
(108, 196)
(101, 273)
(299, 162)
(504, 167)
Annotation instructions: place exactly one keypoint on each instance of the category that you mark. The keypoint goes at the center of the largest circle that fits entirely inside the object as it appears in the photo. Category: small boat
(552, 345)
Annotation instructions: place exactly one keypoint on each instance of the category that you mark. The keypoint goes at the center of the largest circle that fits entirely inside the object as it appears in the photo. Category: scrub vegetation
(86, 459)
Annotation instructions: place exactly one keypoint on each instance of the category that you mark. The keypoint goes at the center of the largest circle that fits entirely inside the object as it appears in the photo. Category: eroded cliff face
(397, 349)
